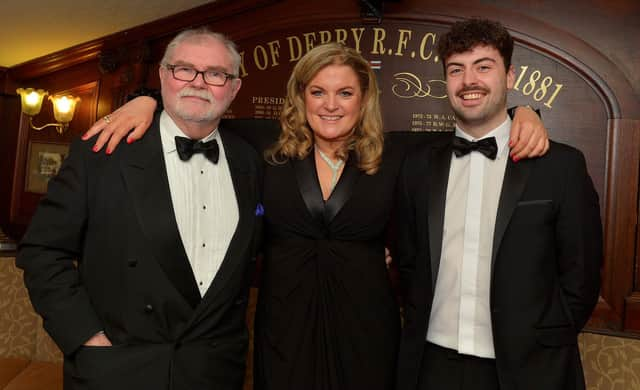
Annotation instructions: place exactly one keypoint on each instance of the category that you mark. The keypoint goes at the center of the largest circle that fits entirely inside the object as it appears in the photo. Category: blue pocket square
(259, 210)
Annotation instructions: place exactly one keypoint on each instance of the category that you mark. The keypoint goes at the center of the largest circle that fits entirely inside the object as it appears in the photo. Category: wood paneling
(620, 207)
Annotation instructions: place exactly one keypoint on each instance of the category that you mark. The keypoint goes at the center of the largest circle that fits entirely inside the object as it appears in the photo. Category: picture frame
(44, 160)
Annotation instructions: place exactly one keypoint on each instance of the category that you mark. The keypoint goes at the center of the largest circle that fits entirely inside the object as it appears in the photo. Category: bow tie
(186, 147)
(486, 146)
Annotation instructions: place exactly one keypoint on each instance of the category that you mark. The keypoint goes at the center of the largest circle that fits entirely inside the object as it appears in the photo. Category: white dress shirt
(461, 315)
(204, 203)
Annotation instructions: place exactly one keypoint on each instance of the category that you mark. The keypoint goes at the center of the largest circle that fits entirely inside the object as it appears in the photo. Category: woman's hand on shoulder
(528, 137)
(136, 114)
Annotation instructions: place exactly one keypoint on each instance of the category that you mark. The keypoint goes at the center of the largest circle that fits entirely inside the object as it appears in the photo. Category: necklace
(334, 166)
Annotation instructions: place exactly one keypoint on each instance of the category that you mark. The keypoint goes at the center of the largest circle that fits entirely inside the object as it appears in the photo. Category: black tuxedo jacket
(133, 280)
(545, 275)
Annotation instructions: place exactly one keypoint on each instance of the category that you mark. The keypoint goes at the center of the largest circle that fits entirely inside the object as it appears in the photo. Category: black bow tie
(186, 147)
(486, 146)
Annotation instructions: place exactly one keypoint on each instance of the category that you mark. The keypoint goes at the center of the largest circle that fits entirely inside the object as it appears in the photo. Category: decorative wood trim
(18, 172)
(57, 61)
(620, 208)
(604, 317)
(632, 315)
(207, 13)
(9, 108)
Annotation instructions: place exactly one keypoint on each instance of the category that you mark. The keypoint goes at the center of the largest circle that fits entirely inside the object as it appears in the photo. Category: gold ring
(107, 118)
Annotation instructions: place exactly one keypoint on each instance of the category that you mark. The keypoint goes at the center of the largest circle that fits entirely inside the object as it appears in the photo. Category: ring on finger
(107, 118)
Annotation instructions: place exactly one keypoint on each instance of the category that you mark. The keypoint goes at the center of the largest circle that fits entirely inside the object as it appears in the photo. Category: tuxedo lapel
(145, 176)
(343, 190)
(513, 185)
(244, 187)
(437, 181)
(309, 187)
(306, 175)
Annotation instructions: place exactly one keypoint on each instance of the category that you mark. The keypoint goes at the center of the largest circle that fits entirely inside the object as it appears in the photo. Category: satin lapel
(145, 175)
(309, 187)
(244, 187)
(513, 184)
(343, 190)
(437, 180)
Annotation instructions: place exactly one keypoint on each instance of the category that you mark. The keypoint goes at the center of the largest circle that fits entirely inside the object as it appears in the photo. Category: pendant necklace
(334, 166)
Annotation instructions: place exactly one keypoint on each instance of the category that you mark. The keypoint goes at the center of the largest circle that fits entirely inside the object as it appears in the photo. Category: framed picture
(43, 162)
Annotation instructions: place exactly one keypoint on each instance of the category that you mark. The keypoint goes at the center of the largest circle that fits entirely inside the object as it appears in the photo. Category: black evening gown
(327, 318)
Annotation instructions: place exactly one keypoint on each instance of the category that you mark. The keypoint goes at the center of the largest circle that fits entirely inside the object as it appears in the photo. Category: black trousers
(446, 369)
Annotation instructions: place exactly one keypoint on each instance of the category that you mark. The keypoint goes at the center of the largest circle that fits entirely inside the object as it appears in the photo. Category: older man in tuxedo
(500, 260)
(163, 231)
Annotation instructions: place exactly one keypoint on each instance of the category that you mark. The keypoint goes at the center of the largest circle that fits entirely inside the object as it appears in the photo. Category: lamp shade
(31, 100)
(64, 106)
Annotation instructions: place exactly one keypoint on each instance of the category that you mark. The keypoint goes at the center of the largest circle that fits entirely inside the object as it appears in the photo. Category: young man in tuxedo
(163, 232)
(500, 260)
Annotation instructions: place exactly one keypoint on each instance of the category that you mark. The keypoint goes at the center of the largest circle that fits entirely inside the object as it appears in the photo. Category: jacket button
(148, 308)
(132, 263)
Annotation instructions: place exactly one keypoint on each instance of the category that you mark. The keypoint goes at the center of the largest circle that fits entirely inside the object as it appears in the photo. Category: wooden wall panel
(620, 224)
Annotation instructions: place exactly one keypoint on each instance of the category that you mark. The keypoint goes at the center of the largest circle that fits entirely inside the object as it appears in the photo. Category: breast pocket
(537, 212)
(535, 202)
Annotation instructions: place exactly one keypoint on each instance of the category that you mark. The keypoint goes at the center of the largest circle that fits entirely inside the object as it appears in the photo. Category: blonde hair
(296, 138)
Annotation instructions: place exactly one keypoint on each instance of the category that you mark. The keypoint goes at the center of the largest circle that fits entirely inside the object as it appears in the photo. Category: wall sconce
(64, 107)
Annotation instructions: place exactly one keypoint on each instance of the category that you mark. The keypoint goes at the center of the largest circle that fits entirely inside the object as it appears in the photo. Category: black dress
(327, 318)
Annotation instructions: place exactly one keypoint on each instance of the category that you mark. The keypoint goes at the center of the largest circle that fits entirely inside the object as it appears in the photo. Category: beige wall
(610, 363)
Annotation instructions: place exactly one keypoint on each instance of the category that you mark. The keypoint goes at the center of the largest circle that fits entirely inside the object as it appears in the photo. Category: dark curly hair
(467, 34)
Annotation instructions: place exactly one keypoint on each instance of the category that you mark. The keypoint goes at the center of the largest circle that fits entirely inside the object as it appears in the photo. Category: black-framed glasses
(211, 77)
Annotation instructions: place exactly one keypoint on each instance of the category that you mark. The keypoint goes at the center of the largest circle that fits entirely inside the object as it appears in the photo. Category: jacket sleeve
(49, 251)
(579, 241)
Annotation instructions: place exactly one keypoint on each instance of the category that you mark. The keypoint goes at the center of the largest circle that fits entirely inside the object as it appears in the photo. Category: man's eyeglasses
(211, 77)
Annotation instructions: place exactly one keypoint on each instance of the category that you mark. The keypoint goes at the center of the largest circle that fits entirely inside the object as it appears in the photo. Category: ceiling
(33, 28)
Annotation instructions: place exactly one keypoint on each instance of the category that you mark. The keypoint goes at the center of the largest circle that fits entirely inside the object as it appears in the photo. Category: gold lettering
(531, 85)
(404, 37)
(271, 102)
(341, 36)
(538, 90)
(541, 92)
(325, 36)
(243, 70)
(260, 57)
(552, 98)
(523, 70)
(409, 86)
(295, 53)
(378, 37)
(274, 49)
(309, 40)
(430, 40)
(357, 35)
